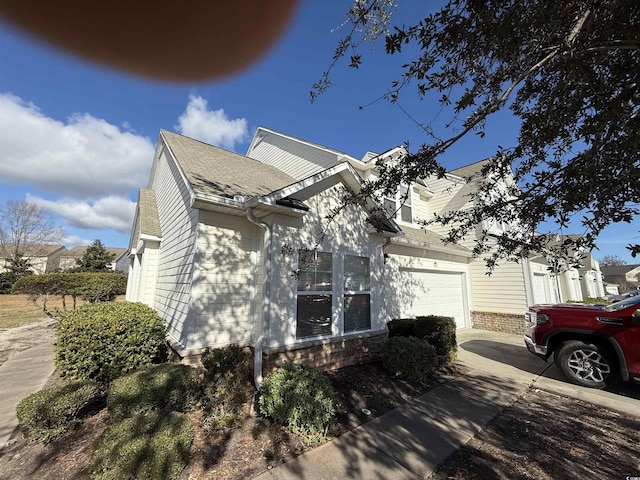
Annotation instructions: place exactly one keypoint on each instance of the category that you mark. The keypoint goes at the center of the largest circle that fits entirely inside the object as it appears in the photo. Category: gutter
(266, 317)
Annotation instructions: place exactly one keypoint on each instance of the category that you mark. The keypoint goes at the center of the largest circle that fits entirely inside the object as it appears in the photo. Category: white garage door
(539, 291)
(435, 293)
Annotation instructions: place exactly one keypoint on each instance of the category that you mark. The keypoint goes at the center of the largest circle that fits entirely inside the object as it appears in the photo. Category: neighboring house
(42, 258)
(627, 277)
(120, 262)
(611, 289)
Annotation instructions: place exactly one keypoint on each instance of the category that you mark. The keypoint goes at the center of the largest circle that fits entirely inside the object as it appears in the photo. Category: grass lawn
(17, 310)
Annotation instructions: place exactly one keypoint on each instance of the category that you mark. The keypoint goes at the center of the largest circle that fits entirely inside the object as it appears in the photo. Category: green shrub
(91, 287)
(151, 446)
(101, 287)
(168, 386)
(402, 327)
(225, 387)
(301, 398)
(409, 357)
(105, 340)
(44, 416)
(441, 333)
(591, 301)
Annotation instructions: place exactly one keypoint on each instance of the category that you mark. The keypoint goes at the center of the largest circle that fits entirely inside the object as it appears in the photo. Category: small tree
(23, 224)
(96, 258)
(612, 261)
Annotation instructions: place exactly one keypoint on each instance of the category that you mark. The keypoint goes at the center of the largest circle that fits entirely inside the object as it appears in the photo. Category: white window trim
(397, 199)
(337, 293)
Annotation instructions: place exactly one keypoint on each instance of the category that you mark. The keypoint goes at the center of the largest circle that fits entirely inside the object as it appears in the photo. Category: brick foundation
(327, 354)
(498, 322)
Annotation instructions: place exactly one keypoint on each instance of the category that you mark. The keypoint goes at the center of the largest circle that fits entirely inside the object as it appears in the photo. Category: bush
(91, 287)
(225, 387)
(46, 415)
(441, 333)
(591, 301)
(402, 327)
(151, 446)
(7, 279)
(101, 287)
(103, 341)
(409, 357)
(169, 386)
(301, 398)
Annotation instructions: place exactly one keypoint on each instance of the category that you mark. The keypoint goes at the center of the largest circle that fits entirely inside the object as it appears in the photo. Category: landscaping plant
(301, 398)
(151, 446)
(409, 357)
(105, 340)
(441, 333)
(46, 415)
(168, 386)
(225, 386)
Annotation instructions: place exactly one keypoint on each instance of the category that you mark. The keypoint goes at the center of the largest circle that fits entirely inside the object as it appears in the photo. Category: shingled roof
(214, 171)
(423, 236)
(77, 252)
(471, 171)
(148, 213)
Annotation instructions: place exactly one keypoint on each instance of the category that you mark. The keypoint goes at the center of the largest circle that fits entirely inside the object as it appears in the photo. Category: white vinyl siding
(177, 249)
(224, 292)
(503, 291)
(347, 234)
(294, 158)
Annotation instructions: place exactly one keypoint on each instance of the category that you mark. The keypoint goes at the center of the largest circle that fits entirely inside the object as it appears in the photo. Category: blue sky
(78, 139)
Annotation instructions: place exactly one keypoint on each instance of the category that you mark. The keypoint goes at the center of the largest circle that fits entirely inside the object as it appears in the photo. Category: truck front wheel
(586, 364)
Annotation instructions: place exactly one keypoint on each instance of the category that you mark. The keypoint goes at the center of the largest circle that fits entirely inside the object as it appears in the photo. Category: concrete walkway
(22, 374)
(411, 441)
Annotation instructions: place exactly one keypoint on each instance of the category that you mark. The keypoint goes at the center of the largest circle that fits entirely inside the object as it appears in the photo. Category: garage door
(434, 293)
(539, 291)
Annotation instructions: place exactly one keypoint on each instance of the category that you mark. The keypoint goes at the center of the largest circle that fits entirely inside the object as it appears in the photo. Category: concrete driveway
(504, 355)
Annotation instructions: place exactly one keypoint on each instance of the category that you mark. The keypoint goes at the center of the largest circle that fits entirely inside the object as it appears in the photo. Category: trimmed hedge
(105, 340)
(402, 327)
(46, 415)
(151, 446)
(437, 330)
(225, 386)
(91, 287)
(301, 398)
(409, 357)
(168, 386)
(441, 333)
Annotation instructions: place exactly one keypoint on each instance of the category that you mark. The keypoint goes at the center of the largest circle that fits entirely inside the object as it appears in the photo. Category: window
(357, 297)
(315, 294)
(498, 227)
(391, 204)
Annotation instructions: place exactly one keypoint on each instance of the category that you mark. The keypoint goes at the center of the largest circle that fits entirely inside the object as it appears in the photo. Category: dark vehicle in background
(593, 345)
(624, 296)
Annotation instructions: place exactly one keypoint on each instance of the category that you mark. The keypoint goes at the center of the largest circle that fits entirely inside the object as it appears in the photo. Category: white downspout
(266, 318)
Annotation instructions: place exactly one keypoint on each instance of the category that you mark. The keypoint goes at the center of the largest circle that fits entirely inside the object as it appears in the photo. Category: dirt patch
(546, 436)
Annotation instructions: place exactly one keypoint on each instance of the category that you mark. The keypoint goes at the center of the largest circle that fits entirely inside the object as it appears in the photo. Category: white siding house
(252, 250)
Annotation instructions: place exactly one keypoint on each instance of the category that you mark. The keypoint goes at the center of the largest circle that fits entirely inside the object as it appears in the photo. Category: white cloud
(211, 126)
(84, 157)
(108, 212)
(74, 241)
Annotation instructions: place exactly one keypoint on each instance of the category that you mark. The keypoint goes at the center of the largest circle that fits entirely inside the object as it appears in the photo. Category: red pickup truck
(594, 345)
